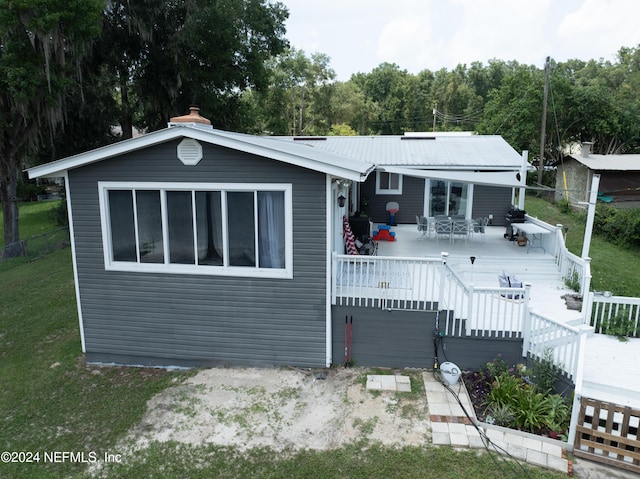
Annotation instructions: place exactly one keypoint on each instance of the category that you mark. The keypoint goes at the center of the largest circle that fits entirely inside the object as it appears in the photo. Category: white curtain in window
(271, 236)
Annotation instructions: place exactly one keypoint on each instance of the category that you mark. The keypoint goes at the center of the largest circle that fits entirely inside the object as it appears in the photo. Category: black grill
(514, 215)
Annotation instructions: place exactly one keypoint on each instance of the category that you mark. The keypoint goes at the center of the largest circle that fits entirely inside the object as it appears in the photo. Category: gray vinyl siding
(171, 319)
(491, 200)
(411, 201)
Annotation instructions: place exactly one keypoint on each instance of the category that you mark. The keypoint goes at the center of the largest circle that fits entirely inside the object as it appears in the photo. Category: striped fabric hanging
(347, 235)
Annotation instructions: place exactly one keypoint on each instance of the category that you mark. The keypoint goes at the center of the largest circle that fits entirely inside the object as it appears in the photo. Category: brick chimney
(192, 119)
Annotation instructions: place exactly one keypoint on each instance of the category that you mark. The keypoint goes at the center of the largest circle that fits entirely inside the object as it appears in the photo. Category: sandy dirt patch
(283, 409)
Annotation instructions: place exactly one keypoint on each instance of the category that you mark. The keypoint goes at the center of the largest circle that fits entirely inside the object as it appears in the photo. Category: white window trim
(241, 271)
(388, 191)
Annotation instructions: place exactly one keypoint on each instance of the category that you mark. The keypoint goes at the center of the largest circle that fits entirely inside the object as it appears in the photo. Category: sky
(359, 35)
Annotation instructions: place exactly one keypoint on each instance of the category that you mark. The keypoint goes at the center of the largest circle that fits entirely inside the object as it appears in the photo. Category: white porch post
(526, 321)
(443, 277)
(593, 197)
(523, 179)
(579, 373)
(330, 214)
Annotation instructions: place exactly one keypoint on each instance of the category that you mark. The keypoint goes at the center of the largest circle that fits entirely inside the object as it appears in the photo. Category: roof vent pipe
(586, 148)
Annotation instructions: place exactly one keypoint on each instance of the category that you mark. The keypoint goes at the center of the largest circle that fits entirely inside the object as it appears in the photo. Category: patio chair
(443, 227)
(460, 229)
(509, 281)
(480, 226)
(423, 225)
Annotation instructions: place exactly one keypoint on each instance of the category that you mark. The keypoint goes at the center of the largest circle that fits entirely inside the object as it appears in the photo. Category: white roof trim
(294, 154)
(626, 162)
(492, 178)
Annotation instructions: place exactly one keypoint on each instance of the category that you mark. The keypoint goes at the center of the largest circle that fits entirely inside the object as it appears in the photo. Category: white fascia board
(492, 178)
(56, 168)
(306, 158)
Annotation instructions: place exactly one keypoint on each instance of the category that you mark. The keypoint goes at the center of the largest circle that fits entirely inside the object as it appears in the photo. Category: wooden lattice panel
(608, 433)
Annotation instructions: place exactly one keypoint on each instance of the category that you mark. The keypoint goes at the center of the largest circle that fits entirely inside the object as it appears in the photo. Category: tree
(169, 55)
(41, 45)
(298, 98)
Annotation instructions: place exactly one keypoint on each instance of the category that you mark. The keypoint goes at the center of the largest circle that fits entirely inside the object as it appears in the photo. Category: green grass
(35, 218)
(354, 461)
(613, 267)
(49, 399)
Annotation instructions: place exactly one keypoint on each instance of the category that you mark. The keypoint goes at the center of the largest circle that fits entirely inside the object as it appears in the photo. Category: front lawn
(52, 402)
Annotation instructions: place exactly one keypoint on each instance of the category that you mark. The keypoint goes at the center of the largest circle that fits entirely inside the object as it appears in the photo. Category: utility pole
(543, 128)
(435, 110)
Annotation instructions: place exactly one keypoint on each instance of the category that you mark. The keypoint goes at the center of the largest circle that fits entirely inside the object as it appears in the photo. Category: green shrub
(515, 401)
(501, 414)
(564, 206)
(60, 213)
(619, 226)
(531, 409)
(504, 390)
(572, 281)
(496, 368)
(545, 373)
(559, 414)
(29, 190)
(620, 325)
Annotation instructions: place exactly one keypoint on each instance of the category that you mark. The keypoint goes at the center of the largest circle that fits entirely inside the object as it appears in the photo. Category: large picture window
(224, 229)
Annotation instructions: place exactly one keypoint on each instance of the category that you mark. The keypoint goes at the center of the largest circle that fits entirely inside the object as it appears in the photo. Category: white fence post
(470, 310)
(443, 279)
(578, 377)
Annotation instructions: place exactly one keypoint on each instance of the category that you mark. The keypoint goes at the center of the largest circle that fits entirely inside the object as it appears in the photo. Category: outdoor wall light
(341, 199)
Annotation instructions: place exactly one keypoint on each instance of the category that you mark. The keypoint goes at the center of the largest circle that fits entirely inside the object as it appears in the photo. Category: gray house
(194, 246)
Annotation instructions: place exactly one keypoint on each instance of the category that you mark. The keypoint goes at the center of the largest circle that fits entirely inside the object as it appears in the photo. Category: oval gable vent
(189, 152)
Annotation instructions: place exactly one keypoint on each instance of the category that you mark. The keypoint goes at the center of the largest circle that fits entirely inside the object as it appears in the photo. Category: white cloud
(604, 25)
(435, 34)
(405, 41)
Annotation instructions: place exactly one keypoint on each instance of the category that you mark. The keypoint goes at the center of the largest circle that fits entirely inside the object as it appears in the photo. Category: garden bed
(519, 398)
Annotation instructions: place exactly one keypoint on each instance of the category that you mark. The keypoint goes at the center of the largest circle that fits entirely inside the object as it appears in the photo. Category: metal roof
(288, 152)
(425, 151)
(609, 162)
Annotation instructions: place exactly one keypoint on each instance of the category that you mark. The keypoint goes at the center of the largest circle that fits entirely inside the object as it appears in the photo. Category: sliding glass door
(447, 198)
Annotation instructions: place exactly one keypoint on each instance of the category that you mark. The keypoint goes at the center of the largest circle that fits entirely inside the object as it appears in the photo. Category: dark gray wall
(491, 200)
(487, 200)
(411, 201)
(398, 339)
(166, 319)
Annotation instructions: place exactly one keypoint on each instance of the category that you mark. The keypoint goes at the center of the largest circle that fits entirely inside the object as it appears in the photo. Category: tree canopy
(42, 43)
(77, 74)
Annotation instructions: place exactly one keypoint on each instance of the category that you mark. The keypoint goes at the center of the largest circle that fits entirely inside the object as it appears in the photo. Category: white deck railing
(385, 282)
(563, 341)
(575, 271)
(426, 284)
(601, 309)
(485, 311)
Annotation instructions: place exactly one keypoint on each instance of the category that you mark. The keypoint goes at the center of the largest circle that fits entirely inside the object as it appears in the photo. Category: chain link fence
(37, 246)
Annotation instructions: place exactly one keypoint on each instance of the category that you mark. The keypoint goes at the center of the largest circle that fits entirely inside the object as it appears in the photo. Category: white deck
(610, 371)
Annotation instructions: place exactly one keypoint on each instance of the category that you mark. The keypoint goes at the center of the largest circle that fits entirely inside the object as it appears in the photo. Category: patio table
(533, 233)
